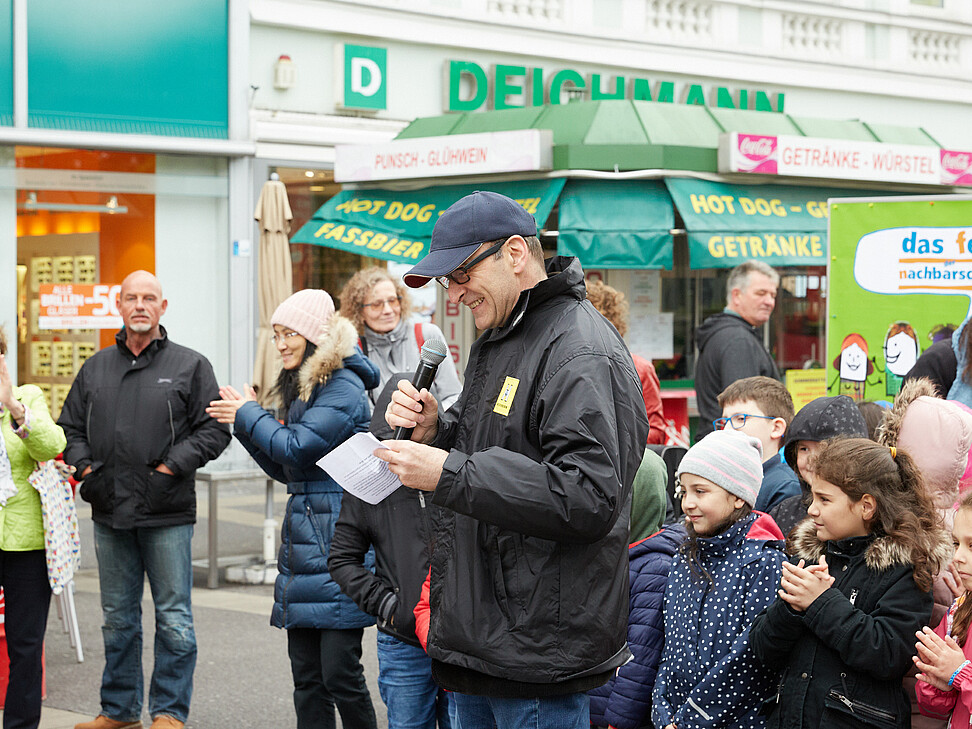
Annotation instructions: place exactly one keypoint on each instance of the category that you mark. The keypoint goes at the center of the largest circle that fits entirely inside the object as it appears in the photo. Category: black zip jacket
(842, 660)
(125, 415)
(730, 348)
(400, 529)
(529, 584)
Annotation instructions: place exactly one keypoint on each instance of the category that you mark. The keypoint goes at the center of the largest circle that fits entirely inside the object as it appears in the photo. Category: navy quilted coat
(332, 406)
(625, 701)
(709, 677)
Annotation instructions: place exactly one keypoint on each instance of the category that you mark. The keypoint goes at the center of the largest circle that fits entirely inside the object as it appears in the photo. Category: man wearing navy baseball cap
(532, 467)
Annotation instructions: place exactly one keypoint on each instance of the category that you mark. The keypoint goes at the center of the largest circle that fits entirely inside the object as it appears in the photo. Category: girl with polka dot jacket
(842, 631)
(725, 573)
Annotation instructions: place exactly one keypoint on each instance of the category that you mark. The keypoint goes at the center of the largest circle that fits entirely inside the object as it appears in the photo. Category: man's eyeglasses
(737, 421)
(380, 305)
(461, 274)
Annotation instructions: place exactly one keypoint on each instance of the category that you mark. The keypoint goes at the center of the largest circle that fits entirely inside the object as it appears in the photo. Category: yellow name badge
(505, 400)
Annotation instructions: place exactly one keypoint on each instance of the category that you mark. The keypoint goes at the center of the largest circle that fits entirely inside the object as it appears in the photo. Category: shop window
(88, 236)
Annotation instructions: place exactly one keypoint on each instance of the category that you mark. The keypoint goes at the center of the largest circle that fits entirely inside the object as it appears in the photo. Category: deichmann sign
(469, 87)
(79, 306)
(526, 150)
(842, 159)
(362, 79)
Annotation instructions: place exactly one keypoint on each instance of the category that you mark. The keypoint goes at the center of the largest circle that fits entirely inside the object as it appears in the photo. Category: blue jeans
(570, 711)
(125, 557)
(413, 699)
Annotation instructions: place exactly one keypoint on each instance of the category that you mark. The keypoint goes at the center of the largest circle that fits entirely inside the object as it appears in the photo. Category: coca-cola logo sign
(956, 160)
(757, 146)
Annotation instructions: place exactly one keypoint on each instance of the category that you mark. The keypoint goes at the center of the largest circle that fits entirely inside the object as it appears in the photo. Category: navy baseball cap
(468, 223)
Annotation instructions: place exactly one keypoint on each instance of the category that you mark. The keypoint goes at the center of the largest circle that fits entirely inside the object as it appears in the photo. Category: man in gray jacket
(137, 430)
(730, 342)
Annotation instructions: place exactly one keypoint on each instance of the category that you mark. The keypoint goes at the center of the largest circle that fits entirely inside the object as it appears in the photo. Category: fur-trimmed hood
(337, 349)
(936, 433)
(881, 554)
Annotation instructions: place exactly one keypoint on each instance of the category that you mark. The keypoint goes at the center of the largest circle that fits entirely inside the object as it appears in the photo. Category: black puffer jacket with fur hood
(842, 660)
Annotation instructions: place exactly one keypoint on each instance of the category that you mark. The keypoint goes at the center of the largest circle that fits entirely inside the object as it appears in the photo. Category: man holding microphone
(533, 466)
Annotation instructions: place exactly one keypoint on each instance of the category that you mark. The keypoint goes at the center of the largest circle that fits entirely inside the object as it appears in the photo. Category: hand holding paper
(354, 466)
(419, 466)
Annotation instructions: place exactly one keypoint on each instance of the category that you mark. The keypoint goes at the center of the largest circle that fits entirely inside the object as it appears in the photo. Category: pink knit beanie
(308, 312)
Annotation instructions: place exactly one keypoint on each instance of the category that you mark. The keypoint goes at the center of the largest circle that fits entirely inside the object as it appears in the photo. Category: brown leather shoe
(166, 722)
(103, 722)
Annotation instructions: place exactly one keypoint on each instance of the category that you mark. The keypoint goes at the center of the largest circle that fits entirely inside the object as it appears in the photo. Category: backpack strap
(419, 336)
(363, 345)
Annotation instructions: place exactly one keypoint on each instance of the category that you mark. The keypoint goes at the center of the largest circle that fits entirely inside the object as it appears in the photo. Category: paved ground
(243, 674)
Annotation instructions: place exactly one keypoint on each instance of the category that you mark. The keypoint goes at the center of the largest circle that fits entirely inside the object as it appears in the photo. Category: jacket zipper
(171, 425)
(856, 707)
(290, 561)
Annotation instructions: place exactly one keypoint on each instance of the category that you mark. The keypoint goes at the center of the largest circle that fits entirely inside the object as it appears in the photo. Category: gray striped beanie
(729, 459)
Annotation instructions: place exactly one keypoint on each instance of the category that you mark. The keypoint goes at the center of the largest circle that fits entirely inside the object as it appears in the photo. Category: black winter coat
(400, 527)
(729, 350)
(842, 660)
(939, 364)
(125, 415)
(530, 569)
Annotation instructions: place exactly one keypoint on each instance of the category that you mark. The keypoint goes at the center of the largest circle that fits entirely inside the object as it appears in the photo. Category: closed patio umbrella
(275, 278)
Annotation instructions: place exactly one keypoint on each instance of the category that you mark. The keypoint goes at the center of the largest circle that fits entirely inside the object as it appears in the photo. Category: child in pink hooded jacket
(937, 434)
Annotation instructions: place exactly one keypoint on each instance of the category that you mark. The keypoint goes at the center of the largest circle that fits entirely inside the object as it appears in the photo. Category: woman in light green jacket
(29, 436)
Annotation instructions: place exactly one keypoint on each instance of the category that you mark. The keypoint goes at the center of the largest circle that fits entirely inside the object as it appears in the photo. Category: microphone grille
(434, 351)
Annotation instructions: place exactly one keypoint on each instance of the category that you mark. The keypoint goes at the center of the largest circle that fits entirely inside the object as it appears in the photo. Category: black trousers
(327, 672)
(27, 597)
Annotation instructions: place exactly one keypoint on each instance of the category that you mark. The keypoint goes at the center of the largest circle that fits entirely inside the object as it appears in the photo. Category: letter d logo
(362, 77)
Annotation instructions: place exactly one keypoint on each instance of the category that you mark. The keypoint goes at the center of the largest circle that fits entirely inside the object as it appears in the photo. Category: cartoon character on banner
(853, 366)
(901, 350)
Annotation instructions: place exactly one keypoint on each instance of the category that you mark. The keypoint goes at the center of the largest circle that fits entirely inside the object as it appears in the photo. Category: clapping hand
(224, 410)
(938, 658)
(800, 585)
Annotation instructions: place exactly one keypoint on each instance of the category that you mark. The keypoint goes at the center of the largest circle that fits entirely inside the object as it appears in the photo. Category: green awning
(728, 224)
(614, 224)
(397, 226)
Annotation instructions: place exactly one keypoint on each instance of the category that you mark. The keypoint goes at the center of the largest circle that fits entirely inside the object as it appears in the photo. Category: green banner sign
(900, 271)
(397, 226)
(610, 224)
(728, 224)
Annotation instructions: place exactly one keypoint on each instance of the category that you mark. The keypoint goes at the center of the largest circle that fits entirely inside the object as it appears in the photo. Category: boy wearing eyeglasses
(761, 407)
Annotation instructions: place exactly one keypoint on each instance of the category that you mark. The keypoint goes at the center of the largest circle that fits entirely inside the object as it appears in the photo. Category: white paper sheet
(354, 466)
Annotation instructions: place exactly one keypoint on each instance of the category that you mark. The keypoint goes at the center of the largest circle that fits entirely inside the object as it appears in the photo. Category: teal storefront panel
(129, 67)
(397, 225)
(6, 63)
(615, 224)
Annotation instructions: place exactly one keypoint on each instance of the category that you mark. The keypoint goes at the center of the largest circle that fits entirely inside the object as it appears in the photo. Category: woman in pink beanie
(322, 397)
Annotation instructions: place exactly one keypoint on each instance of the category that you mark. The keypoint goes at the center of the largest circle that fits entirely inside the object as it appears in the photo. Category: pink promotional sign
(956, 167)
(756, 154)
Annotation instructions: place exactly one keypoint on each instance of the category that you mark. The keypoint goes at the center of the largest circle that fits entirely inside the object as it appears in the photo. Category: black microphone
(433, 352)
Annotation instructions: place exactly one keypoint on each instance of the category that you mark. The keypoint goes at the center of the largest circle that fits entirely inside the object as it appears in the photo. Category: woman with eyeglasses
(321, 393)
(380, 309)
